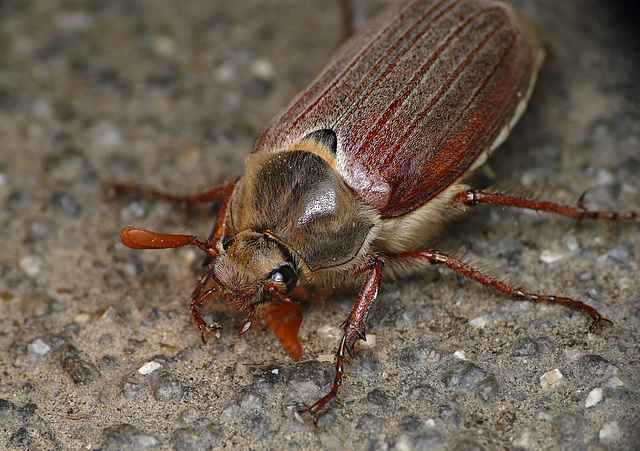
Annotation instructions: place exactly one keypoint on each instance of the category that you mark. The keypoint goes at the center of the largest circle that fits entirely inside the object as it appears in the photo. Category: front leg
(354, 325)
(198, 296)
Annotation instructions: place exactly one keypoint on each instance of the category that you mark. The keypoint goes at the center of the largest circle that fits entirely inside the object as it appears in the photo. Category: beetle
(363, 166)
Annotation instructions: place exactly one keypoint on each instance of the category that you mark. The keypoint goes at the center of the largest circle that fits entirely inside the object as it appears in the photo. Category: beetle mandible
(358, 172)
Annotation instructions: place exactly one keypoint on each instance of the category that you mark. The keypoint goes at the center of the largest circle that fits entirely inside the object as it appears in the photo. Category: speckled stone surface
(97, 349)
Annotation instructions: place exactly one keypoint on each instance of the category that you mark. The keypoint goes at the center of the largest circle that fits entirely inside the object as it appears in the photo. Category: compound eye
(285, 275)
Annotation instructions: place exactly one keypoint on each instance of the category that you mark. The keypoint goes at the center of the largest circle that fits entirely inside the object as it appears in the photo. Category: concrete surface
(171, 94)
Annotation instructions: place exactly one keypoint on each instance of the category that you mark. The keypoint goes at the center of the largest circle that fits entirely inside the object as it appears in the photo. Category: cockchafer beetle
(358, 172)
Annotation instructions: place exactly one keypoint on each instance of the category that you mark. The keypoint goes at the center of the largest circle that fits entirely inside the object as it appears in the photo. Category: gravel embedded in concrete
(171, 95)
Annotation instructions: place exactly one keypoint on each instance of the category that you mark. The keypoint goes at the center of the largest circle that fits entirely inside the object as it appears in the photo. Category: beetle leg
(211, 195)
(218, 233)
(197, 298)
(437, 258)
(221, 229)
(354, 326)
(273, 291)
(248, 322)
(474, 197)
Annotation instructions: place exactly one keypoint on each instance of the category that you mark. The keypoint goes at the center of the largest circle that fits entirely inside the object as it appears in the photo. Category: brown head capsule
(354, 176)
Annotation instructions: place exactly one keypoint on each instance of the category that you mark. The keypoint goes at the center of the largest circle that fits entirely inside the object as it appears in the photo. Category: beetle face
(249, 262)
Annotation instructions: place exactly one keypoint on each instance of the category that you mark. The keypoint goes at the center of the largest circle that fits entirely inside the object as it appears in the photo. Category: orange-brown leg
(214, 194)
(430, 257)
(218, 234)
(474, 197)
(354, 326)
(198, 296)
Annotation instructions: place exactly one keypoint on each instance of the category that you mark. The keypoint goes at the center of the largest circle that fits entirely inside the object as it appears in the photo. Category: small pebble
(525, 440)
(43, 108)
(605, 177)
(619, 254)
(167, 388)
(551, 379)
(460, 355)
(125, 436)
(615, 381)
(149, 367)
(31, 265)
(189, 157)
(594, 397)
(464, 374)
(609, 431)
(251, 402)
(362, 345)
(262, 69)
(549, 257)
(479, 323)
(163, 45)
(81, 318)
(571, 242)
(38, 347)
(224, 73)
(378, 397)
(105, 136)
(487, 388)
(80, 371)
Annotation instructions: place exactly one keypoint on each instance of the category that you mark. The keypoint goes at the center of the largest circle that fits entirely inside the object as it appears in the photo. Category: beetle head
(249, 265)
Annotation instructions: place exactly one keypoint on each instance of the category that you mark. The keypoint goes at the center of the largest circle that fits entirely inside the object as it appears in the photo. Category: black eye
(285, 275)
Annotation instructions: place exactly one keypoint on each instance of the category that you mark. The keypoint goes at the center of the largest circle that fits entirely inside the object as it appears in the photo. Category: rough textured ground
(171, 94)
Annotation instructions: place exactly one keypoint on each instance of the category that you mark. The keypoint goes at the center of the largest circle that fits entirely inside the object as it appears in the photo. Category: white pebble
(81, 318)
(149, 367)
(594, 397)
(38, 347)
(43, 108)
(615, 381)
(364, 345)
(571, 242)
(105, 135)
(605, 177)
(262, 69)
(479, 323)
(547, 256)
(460, 355)
(31, 265)
(224, 73)
(551, 379)
(525, 441)
(163, 45)
(609, 431)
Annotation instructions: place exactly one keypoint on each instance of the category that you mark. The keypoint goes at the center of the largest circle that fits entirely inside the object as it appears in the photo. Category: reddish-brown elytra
(357, 173)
